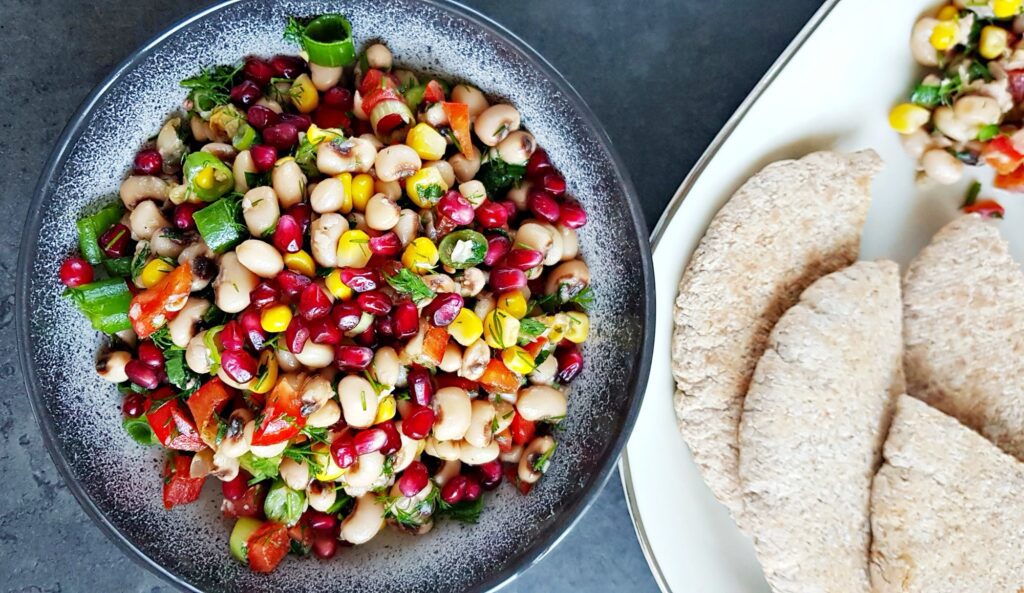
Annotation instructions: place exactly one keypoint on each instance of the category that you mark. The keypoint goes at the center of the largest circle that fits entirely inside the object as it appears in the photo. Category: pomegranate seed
(287, 66)
(418, 424)
(368, 338)
(360, 127)
(370, 440)
(489, 474)
(374, 302)
(343, 451)
(261, 117)
(325, 332)
(325, 546)
(509, 207)
(339, 97)
(232, 337)
(473, 489)
(235, 488)
(295, 335)
(150, 355)
(264, 295)
(75, 271)
(300, 121)
(573, 215)
(421, 385)
(554, 183)
(543, 205)
(239, 365)
(346, 316)
(456, 208)
(538, 165)
(360, 280)
(414, 479)
(148, 162)
(386, 245)
(385, 328)
(328, 116)
(302, 214)
(288, 235)
(497, 247)
(352, 358)
(142, 374)
(405, 320)
(263, 157)
(506, 279)
(314, 302)
(114, 242)
(441, 311)
(134, 405)
(253, 328)
(321, 521)
(258, 71)
(454, 490)
(524, 259)
(245, 93)
(183, 215)
(570, 364)
(281, 136)
(491, 215)
(394, 442)
(292, 283)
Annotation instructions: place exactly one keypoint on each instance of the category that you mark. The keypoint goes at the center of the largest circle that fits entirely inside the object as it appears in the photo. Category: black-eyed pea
(528, 472)
(233, 284)
(358, 401)
(408, 226)
(222, 150)
(519, 195)
(225, 468)
(197, 355)
(472, 455)
(286, 361)
(570, 242)
(202, 464)
(146, 219)
(365, 472)
(396, 162)
(453, 410)
(445, 169)
(324, 77)
(495, 123)
(434, 115)
(365, 521)
(110, 366)
(260, 209)
(379, 56)
(407, 453)
(391, 189)
(513, 455)
(472, 97)
(294, 473)
(268, 451)
(449, 470)
(315, 356)
(554, 254)
(517, 147)
(445, 450)
(183, 327)
(465, 167)
(479, 434)
(568, 279)
(238, 437)
(485, 303)
(326, 415)
(451, 361)
(324, 234)
(168, 142)
(439, 282)
(474, 360)
(386, 367)
(201, 130)
(544, 373)
(327, 196)
(321, 495)
(382, 213)
(942, 167)
(541, 402)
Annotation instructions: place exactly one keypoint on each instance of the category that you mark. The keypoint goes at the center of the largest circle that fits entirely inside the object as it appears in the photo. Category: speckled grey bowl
(118, 482)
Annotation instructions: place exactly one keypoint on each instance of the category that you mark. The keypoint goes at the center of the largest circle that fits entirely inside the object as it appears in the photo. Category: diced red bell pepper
(282, 418)
(498, 379)
(301, 536)
(458, 119)
(375, 79)
(986, 208)
(173, 428)
(205, 404)
(522, 430)
(268, 546)
(447, 380)
(1002, 155)
(1013, 181)
(379, 95)
(152, 308)
(504, 440)
(535, 347)
(249, 504)
(328, 116)
(179, 486)
(512, 475)
(435, 340)
(433, 93)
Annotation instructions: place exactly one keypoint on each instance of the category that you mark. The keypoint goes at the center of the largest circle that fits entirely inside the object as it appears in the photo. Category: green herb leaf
(212, 87)
(161, 338)
(260, 468)
(498, 176)
(932, 96)
(541, 463)
(339, 503)
(529, 329)
(284, 504)
(972, 194)
(408, 283)
(464, 512)
(178, 372)
(584, 298)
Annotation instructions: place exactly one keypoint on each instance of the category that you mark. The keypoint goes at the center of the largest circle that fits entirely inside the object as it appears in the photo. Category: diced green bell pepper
(207, 177)
(91, 227)
(219, 226)
(105, 303)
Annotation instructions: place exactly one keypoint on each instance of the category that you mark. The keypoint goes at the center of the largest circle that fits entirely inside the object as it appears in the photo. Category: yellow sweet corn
(907, 118)
(518, 360)
(1004, 9)
(556, 324)
(948, 13)
(577, 326)
(329, 471)
(425, 187)
(385, 410)
(354, 249)
(362, 191)
(467, 327)
(346, 191)
(420, 256)
(514, 303)
(276, 319)
(154, 272)
(944, 35)
(300, 262)
(304, 94)
(266, 375)
(427, 142)
(501, 330)
(336, 287)
(993, 42)
(316, 134)
(205, 178)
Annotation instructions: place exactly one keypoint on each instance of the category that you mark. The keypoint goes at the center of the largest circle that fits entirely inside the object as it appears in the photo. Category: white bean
(517, 147)
(168, 141)
(471, 455)
(233, 284)
(353, 155)
(324, 77)
(381, 213)
(183, 327)
(294, 473)
(471, 96)
(316, 356)
(942, 166)
(391, 189)
(540, 402)
(146, 219)
(324, 234)
(243, 164)
(143, 187)
(110, 366)
(479, 432)
(365, 471)
(386, 366)
(327, 196)
(260, 209)
(465, 167)
(379, 56)
(397, 162)
(289, 183)
(451, 361)
(474, 360)
(365, 521)
(545, 372)
(408, 226)
(328, 415)
(528, 473)
(321, 495)
(445, 450)
(260, 258)
(449, 470)
(920, 42)
(495, 123)
(197, 355)
(453, 408)
(474, 192)
(358, 401)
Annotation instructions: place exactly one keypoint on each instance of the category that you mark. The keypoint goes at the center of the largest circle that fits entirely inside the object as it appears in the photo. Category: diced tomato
(302, 537)
(504, 440)
(1015, 80)
(536, 346)
(152, 308)
(1002, 155)
(268, 546)
(435, 340)
(498, 379)
(205, 404)
(522, 430)
(512, 475)
(447, 380)
(377, 96)
(328, 116)
(434, 93)
(282, 418)
(249, 504)
(458, 119)
(375, 79)
(1013, 181)
(179, 486)
(986, 208)
(173, 428)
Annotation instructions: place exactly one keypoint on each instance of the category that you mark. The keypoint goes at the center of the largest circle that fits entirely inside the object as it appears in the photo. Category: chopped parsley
(932, 96)
(212, 87)
(541, 463)
(498, 176)
(529, 329)
(408, 283)
(464, 512)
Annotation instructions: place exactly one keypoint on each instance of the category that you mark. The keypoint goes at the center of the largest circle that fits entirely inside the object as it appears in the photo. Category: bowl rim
(574, 510)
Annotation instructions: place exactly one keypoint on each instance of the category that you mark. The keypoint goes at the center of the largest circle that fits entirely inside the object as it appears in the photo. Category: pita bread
(812, 429)
(963, 310)
(946, 509)
(787, 226)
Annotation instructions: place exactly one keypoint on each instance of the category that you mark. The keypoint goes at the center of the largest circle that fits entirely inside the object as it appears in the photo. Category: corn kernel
(514, 303)
(346, 192)
(276, 319)
(205, 178)
(315, 134)
(518, 360)
(944, 35)
(501, 330)
(336, 287)
(907, 118)
(425, 187)
(266, 374)
(300, 262)
(947, 13)
(556, 326)
(577, 327)
(329, 471)
(304, 95)
(353, 249)
(993, 42)
(467, 327)
(385, 410)
(427, 142)
(154, 272)
(420, 256)
(1004, 9)
(362, 191)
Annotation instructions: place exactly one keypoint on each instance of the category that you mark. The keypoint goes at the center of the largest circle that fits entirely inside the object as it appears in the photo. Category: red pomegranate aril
(314, 303)
(232, 337)
(506, 279)
(368, 338)
(325, 545)
(538, 165)
(491, 215)
(295, 335)
(554, 183)
(263, 157)
(328, 116)
(405, 320)
(368, 441)
(142, 374)
(352, 358)
(386, 245)
(245, 93)
(114, 241)
(302, 214)
(360, 127)
(343, 451)
(134, 405)
(339, 97)
(421, 385)
(456, 208)
(239, 365)
(300, 121)
(148, 162)
(443, 310)
(260, 116)
(183, 215)
(258, 71)
(510, 207)
(414, 479)
(385, 328)
(570, 364)
(150, 355)
(489, 474)
(346, 316)
(75, 271)
(454, 490)
(573, 215)
(292, 283)
(418, 424)
(394, 442)
(374, 302)
(473, 489)
(288, 235)
(253, 327)
(524, 259)
(543, 205)
(281, 136)
(359, 279)
(497, 247)
(325, 332)
(264, 295)
(320, 521)
(287, 66)
(235, 488)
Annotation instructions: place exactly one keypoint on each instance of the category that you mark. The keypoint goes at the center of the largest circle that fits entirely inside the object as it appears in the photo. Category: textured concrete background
(663, 76)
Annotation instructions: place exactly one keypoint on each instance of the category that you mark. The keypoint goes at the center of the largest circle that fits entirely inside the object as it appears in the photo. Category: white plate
(832, 88)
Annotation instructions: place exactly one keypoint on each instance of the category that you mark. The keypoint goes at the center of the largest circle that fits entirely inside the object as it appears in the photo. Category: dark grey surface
(662, 76)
